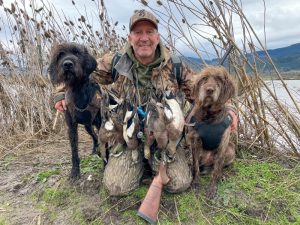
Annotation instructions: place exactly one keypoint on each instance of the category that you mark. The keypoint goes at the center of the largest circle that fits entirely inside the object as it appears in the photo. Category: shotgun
(150, 205)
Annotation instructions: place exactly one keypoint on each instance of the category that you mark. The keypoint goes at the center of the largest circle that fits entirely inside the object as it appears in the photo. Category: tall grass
(25, 91)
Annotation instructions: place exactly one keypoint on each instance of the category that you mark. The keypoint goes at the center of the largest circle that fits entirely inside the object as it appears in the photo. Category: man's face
(144, 39)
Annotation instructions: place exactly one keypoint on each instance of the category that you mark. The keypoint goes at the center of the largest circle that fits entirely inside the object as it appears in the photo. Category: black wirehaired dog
(71, 64)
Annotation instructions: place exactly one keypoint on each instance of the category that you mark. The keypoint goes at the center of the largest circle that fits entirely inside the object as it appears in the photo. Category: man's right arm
(59, 98)
(102, 74)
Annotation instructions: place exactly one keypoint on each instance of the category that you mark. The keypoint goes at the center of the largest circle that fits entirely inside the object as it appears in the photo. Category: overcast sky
(282, 17)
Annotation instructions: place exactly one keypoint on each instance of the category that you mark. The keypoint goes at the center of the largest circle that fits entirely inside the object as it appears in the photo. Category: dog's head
(214, 86)
(70, 63)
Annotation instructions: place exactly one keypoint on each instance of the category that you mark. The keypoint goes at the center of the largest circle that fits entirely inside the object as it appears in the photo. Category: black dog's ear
(90, 63)
(52, 70)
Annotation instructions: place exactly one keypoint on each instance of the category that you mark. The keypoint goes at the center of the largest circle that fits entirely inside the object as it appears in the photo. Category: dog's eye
(204, 79)
(219, 81)
(75, 51)
(60, 55)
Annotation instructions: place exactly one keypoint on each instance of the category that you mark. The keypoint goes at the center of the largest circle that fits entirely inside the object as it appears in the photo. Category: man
(144, 67)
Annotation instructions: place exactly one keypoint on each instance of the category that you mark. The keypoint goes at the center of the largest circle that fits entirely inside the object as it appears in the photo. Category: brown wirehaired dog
(208, 135)
(71, 64)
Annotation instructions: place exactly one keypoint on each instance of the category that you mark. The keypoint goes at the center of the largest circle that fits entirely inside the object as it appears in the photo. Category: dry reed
(25, 91)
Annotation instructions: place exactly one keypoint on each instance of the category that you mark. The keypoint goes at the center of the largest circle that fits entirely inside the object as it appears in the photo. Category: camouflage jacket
(125, 85)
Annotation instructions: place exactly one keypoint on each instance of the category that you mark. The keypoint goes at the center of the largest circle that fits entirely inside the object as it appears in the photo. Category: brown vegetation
(25, 99)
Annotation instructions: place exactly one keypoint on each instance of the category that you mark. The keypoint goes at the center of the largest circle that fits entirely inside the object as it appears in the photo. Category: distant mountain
(285, 59)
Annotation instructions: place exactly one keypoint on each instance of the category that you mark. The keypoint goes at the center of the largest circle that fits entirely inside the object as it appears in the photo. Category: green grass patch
(43, 176)
(58, 197)
(259, 193)
(8, 159)
(91, 163)
(3, 221)
(252, 192)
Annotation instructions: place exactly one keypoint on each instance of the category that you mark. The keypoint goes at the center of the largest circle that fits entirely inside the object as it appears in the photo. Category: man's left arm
(233, 113)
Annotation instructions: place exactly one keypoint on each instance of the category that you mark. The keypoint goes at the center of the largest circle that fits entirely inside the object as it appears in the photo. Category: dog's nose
(209, 90)
(68, 64)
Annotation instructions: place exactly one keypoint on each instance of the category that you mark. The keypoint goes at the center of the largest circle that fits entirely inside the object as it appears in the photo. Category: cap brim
(155, 25)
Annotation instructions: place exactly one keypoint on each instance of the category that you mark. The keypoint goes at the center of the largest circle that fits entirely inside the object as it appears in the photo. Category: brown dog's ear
(196, 88)
(228, 87)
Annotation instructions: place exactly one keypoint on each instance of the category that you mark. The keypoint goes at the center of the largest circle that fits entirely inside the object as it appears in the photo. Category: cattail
(47, 34)
(38, 10)
(26, 17)
(7, 10)
(72, 24)
(13, 8)
(73, 2)
(82, 19)
(66, 23)
(116, 23)
(183, 20)
(83, 33)
(144, 2)
(101, 16)
(159, 2)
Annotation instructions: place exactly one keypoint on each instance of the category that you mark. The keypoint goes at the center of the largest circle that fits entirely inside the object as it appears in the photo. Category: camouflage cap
(140, 15)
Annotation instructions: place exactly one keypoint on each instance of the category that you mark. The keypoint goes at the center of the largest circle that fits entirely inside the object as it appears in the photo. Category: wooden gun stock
(150, 205)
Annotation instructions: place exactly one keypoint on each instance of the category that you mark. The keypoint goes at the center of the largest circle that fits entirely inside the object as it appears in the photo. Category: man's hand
(61, 105)
(234, 123)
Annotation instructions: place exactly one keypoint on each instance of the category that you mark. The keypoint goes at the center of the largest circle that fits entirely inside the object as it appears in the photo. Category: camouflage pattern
(121, 176)
(140, 15)
(162, 78)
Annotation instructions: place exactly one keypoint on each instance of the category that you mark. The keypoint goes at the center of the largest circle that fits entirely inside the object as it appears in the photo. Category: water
(283, 96)
(280, 92)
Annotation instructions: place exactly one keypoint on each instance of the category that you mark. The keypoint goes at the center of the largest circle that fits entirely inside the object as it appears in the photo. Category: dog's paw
(211, 192)
(75, 174)
(196, 185)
